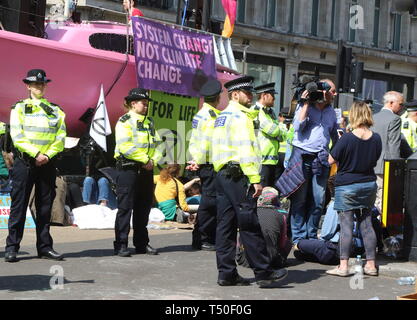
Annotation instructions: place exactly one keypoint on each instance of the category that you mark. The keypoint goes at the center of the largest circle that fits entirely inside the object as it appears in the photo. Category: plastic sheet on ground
(100, 217)
(94, 217)
(156, 215)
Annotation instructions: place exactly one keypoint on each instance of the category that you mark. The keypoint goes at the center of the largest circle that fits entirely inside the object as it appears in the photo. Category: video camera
(314, 87)
(288, 121)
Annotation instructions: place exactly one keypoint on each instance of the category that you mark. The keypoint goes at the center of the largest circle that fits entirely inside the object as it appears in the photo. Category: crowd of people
(237, 152)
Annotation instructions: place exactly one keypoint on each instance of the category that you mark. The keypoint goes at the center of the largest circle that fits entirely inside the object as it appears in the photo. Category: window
(160, 4)
(332, 26)
(270, 10)
(396, 32)
(111, 42)
(241, 11)
(264, 69)
(291, 19)
(315, 17)
(376, 23)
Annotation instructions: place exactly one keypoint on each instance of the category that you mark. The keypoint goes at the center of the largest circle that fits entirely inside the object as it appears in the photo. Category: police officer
(136, 155)
(284, 124)
(237, 161)
(270, 133)
(409, 124)
(204, 233)
(37, 129)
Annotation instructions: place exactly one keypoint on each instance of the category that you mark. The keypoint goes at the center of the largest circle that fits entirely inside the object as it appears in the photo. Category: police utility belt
(233, 170)
(126, 164)
(27, 159)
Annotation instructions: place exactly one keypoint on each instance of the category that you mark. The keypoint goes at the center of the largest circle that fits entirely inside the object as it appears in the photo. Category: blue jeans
(307, 204)
(96, 191)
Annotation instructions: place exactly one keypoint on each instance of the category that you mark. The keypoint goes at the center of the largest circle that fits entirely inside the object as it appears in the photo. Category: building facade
(280, 40)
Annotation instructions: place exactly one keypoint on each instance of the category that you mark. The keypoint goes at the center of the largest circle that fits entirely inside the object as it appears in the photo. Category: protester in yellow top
(37, 129)
(270, 133)
(200, 148)
(136, 154)
(170, 193)
(237, 161)
(409, 124)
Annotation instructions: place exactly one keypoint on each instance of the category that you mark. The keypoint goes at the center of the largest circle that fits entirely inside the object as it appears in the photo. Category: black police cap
(244, 83)
(211, 88)
(36, 75)
(411, 105)
(266, 88)
(137, 94)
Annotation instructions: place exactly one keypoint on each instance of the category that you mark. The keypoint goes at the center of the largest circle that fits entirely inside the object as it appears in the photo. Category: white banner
(100, 126)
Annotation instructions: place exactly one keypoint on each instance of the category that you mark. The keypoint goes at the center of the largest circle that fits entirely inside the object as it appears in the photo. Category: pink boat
(76, 68)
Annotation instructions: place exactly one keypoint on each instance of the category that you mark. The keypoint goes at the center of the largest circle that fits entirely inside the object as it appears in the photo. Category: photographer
(305, 178)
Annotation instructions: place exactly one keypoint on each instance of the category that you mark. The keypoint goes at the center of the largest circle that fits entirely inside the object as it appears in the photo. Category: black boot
(116, 246)
(120, 249)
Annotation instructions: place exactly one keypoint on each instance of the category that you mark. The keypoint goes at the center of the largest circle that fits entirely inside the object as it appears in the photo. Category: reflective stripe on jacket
(137, 139)
(200, 147)
(409, 130)
(38, 126)
(269, 135)
(234, 140)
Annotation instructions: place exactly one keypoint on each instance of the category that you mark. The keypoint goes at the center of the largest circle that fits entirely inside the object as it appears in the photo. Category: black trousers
(74, 197)
(236, 208)
(24, 177)
(321, 251)
(206, 222)
(134, 192)
(269, 175)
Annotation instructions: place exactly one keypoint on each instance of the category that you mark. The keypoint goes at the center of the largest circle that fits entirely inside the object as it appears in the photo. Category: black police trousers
(206, 222)
(236, 208)
(269, 175)
(24, 176)
(134, 192)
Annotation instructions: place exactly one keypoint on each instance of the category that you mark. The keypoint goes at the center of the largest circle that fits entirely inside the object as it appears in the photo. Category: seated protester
(274, 230)
(5, 186)
(96, 187)
(194, 192)
(326, 249)
(170, 194)
(74, 198)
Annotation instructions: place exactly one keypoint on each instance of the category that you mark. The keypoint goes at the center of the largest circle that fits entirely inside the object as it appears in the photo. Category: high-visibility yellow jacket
(2, 128)
(137, 139)
(234, 140)
(269, 135)
(38, 126)
(409, 130)
(200, 147)
(283, 144)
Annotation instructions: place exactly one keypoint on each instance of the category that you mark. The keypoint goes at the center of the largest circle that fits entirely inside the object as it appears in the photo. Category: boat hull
(77, 72)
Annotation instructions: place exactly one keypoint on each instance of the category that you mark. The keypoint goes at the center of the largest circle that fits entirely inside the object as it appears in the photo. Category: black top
(356, 158)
